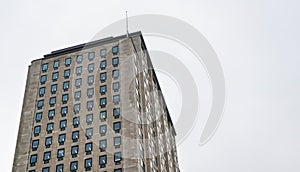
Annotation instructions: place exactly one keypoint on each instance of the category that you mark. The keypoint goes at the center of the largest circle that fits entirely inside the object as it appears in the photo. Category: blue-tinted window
(102, 161)
(47, 156)
(88, 147)
(50, 127)
(51, 114)
(52, 101)
(117, 126)
(42, 91)
(91, 67)
(117, 141)
(102, 145)
(91, 80)
(76, 121)
(74, 151)
(116, 112)
(62, 125)
(103, 52)
(103, 102)
(116, 99)
(79, 59)
(64, 111)
(103, 115)
(35, 145)
(103, 64)
(37, 130)
(68, 62)
(60, 153)
(116, 86)
(103, 89)
(91, 56)
(38, 117)
(118, 170)
(117, 157)
(75, 136)
(88, 164)
(56, 64)
(103, 76)
(74, 166)
(65, 98)
(54, 76)
(90, 92)
(115, 73)
(40, 104)
(61, 139)
(77, 108)
(103, 129)
(78, 70)
(60, 168)
(115, 50)
(53, 88)
(48, 142)
(89, 133)
(115, 61)
(90, 105)
(89, 119)
(67, 73)
(46, 169)
(45, 67)
(66, 86)
(33, 159)
(78, 82)
(77, 95)
(43, 79)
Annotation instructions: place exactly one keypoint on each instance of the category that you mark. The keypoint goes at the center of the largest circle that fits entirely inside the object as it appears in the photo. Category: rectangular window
(68, 62)
(103, 102)
(48, 142)
(51, 114)
(78, 83)
(116, 112)
(103, 77)
(38, 117)
(117, 127)
(47, 156)
(118, 170)
(74, 166)
(116, 99)
(115, 73)
(46, 169)
(50, 127)
(37, 130)
(115, 50)
(115, 61)
(54, 76)
(42, 91)
(91, 80)
(74, 151)
(67, 73)
(91, 67)
(103, 115)
(64, 111)
(35, 145)
(103, 89)
(91, 56)
(88, 164)
(60, 154)
(45, 67)
(117, 142)
(62, 125)
(103, 52)
(33, 159)
(103, 130)
(79, 59)
(116, 86)
(65, 98)
(76, 122)
(60, 168)
(76, 108)
(117, 157)
(103, 64)
(102, 161)
(52, 101)
(88, 148)
(75, 136)
(56, 64)
(89, 133)
(89, 119)
(90, 92)
(53, 89)
(61, 139)
(77, 95)
(43, 79)
(66, 85)
(102, 145)
(78, 70)
(90, 105)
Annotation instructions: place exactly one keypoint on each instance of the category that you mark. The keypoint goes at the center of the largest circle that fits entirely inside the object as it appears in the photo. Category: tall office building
(95, 107)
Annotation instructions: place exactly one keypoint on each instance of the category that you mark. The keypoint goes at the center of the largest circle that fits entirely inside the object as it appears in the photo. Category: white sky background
(257, 42)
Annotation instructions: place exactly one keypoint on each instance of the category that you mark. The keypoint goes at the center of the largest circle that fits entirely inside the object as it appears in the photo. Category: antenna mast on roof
(127, 25)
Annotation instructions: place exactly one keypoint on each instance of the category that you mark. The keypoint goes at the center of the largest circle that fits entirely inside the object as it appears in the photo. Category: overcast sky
(257, 42)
